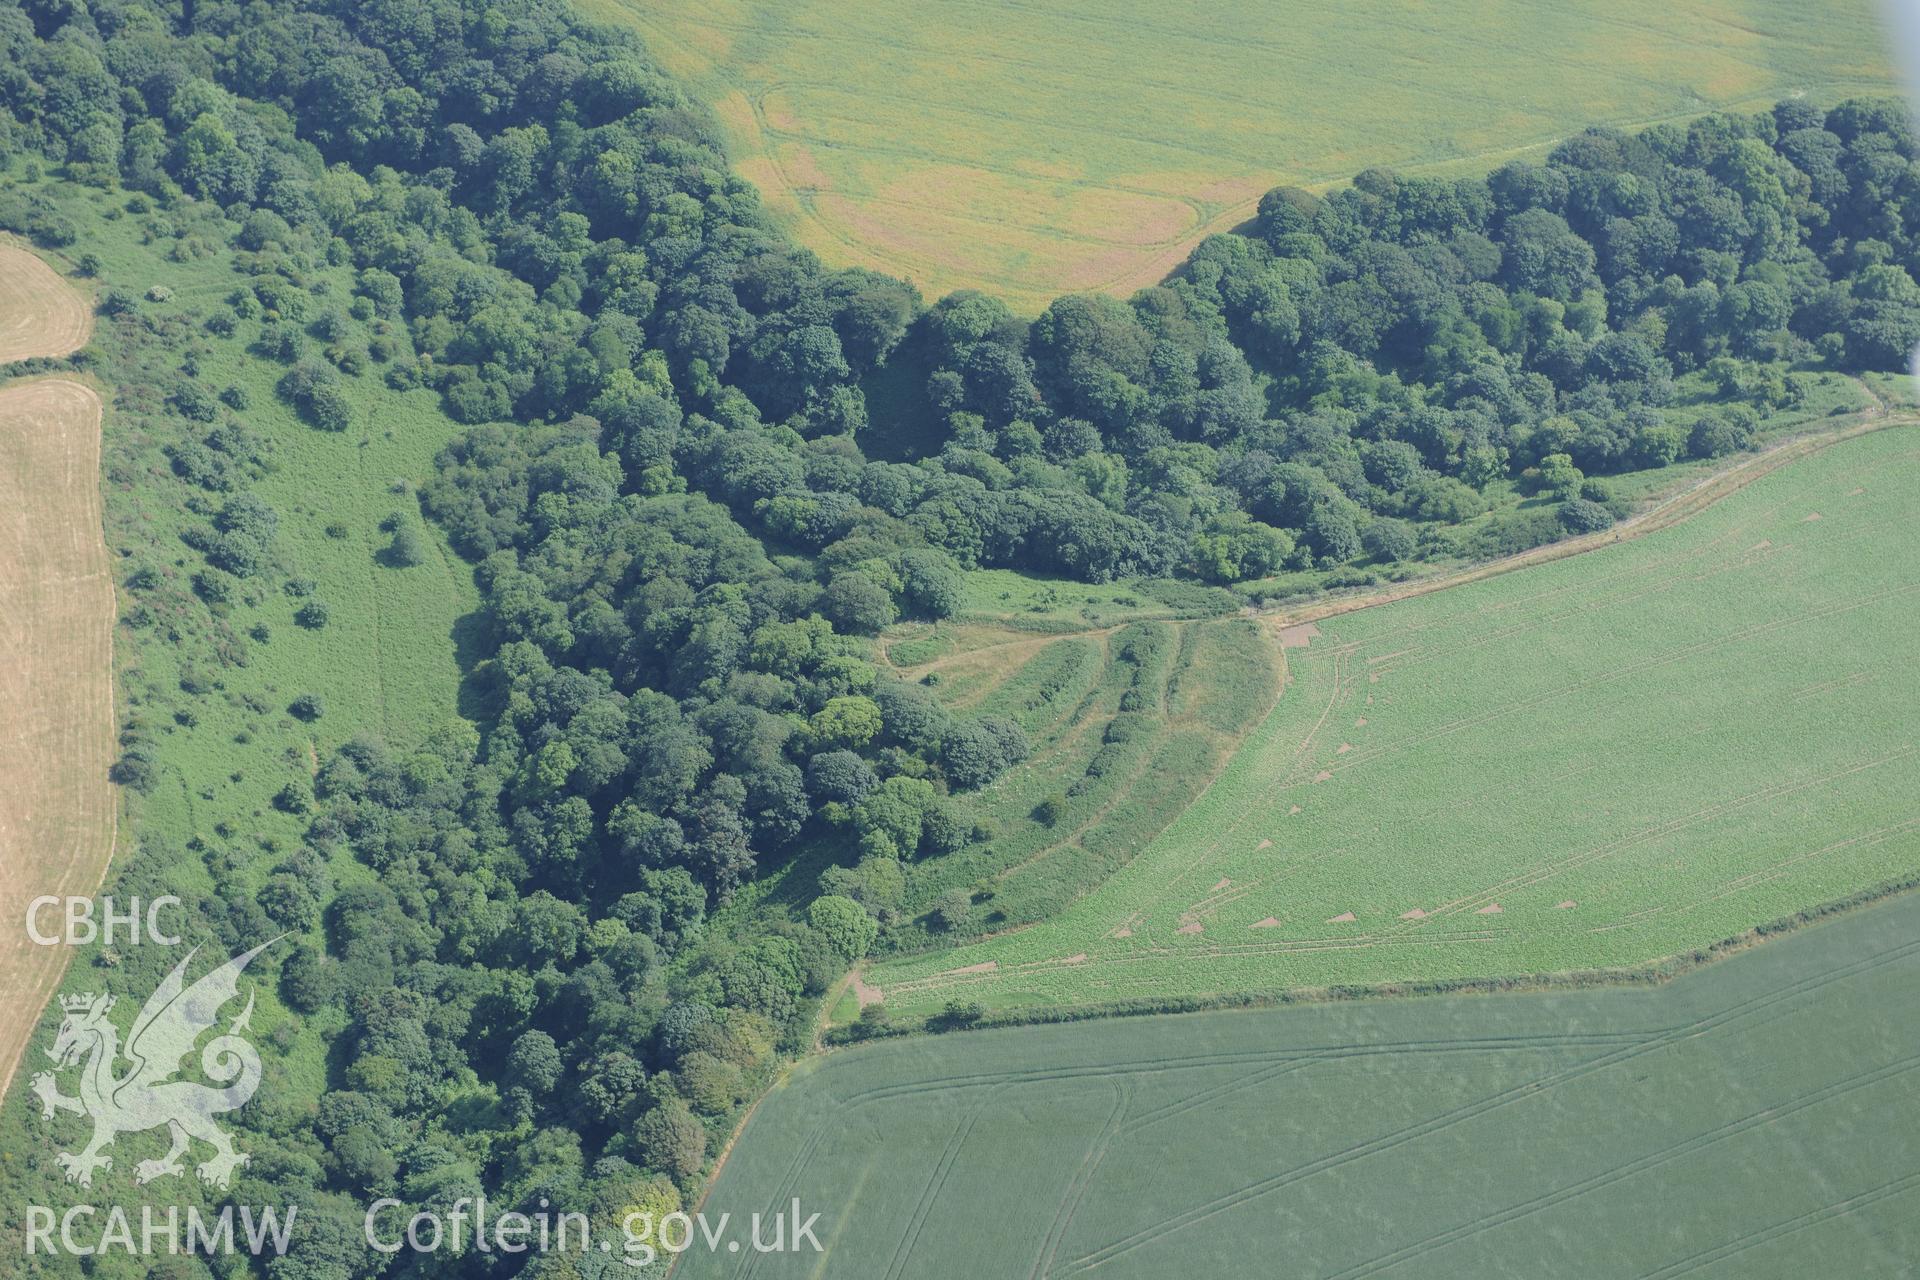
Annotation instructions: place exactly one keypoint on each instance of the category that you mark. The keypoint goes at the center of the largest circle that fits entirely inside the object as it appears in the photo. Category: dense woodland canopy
(701, 466)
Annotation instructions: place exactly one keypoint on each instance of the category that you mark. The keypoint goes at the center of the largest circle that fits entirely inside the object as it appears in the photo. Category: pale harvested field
(56, 685)
(1036, 147)
(40, 314)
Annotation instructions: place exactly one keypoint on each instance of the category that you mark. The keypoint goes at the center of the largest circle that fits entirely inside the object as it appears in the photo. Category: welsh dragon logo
(142, 1098)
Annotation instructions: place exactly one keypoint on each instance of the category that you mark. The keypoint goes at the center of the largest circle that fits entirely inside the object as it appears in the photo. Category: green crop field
(1738, 1121)
(1031, 149)
(1587, 764)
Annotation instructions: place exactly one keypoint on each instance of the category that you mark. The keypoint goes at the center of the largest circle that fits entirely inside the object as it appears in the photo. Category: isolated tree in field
(409, 546)
(243, 537)
(296, 797)
(136, 768)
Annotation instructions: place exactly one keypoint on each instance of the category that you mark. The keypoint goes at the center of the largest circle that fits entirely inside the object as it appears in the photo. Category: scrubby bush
(1388, 539)
(1583, 515)
(844, 923)
(954, 908)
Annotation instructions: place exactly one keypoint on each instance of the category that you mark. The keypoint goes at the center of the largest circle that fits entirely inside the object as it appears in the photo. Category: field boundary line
(1664, 514)
(1657, 972)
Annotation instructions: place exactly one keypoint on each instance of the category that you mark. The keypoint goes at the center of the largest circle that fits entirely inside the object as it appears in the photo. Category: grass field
(1036, 147)
(1740, 1121)
(1128, 724)
(210, 688)
(1584, 764)
(56, 693)
(1835, 403)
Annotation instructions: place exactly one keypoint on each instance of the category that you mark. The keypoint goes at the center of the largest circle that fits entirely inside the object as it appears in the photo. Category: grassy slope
(384, 665)
(1034, 148)
(1735, 1121)
(1194, 688)
(1685, 734)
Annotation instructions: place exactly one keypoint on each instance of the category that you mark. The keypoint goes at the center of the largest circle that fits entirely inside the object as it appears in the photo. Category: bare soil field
(40, 314)
(56, 686)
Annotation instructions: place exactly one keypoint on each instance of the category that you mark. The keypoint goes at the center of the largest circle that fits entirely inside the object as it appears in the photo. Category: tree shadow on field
(479, 696)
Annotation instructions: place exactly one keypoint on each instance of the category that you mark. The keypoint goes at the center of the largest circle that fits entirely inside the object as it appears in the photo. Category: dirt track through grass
(1664, 514)
(57, 808)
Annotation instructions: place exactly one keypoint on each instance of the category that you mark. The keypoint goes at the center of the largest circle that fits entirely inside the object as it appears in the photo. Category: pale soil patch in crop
(40, 314)
(864, 992)
(1298, 637)
(56, 689)
(986, 967)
